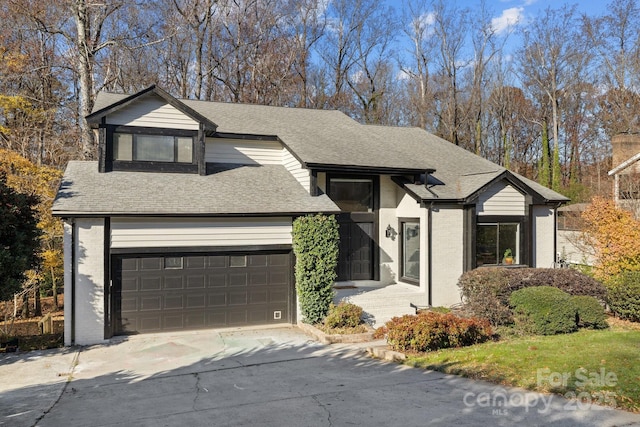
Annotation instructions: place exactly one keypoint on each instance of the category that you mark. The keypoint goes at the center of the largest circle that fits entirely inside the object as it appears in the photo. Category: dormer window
(145, 149)
(152, 148)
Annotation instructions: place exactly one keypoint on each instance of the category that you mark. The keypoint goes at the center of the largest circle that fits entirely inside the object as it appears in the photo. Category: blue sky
(525, 10)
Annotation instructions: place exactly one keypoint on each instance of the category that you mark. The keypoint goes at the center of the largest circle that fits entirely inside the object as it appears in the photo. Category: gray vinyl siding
(194, 232)
(243, 152)
(501, 199)
(152, 112)
(295, 168)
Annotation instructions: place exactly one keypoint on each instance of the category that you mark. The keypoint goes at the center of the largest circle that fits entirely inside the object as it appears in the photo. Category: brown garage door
(167, 293)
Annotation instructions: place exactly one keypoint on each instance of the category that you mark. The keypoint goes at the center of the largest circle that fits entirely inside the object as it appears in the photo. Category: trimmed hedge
(343, 315)
(624, 296)
(486, 291)
(315, 245)
(544, 310)
(432, 331)
(589, 312)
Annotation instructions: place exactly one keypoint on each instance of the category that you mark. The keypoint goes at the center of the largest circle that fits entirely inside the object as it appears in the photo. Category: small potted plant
(508, 257)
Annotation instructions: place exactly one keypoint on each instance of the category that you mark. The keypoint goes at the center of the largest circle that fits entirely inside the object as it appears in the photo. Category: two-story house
(185, 220)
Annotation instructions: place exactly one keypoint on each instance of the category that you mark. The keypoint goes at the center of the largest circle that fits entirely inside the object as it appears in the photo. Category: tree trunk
(54, 289)
(37, 306)
(25, 305)
(84, 68)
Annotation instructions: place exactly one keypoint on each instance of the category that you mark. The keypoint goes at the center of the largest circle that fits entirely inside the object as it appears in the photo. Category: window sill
(503, 266)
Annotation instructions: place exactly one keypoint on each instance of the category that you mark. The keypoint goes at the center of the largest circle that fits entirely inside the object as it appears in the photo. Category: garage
(172, 292)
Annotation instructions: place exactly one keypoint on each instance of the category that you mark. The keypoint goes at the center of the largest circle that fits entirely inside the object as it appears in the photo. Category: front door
(356, 197)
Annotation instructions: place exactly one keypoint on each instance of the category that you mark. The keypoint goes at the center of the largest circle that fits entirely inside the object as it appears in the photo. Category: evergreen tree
(19, 238)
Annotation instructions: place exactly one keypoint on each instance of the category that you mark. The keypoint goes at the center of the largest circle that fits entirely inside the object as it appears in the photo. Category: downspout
(428, 173)
(555, 235)
(73, 282)
(429, 259)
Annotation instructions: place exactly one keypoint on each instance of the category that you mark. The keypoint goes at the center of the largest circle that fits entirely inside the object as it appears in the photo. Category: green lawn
(605, 364)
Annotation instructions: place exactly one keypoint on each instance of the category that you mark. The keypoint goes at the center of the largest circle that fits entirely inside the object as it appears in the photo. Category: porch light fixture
(390, 232)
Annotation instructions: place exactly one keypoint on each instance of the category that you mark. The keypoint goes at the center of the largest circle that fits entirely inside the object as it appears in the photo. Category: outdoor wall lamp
(390, 232)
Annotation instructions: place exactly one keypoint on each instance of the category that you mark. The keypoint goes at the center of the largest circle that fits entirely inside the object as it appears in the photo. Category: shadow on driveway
(278, 377)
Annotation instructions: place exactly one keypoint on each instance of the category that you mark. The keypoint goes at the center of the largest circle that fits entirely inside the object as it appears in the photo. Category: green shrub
(624, 296)
(544, 310)
(590, 313)
(315, 245)
(486, 291)
(343, 315)
(569, 280)
(432, 331)
(483, 293)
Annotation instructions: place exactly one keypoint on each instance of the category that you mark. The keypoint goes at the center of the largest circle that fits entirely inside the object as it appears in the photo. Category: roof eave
(381, 170)
(84, 214)
(622, 166)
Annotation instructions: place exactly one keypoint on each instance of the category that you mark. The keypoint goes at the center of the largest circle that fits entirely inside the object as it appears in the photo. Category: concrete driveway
(270, 377)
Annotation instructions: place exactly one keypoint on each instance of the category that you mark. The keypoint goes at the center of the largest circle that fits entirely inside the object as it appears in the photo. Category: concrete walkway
(272, 377)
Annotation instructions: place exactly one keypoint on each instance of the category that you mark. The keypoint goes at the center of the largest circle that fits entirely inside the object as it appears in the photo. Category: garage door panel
(216, 319)
(130, 264)
(195, 320)
(173, 302)
(196, 301)
(218, 300)
(236, 318)
(129, 304)
(258, 316)
(277, 295)
(130, 284)
(219, 261)
(191, 292)
(279, 278)
(260, 278)
(195, 262)
(151, 264)
(238, 279)
(258, 297)
(173, 282)
(151, 324)
(196, 281)
(150, 303)
(258, 260)
(151, 283)
(238, 298)
(217, 280)
(173, 322)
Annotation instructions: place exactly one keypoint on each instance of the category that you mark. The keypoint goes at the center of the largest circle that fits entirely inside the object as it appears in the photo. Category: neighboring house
(570, 245)
(185, 220)
(626, 171)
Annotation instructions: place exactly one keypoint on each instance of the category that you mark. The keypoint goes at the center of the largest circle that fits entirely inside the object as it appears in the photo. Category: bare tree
(450, 28)
(551, 61)
(418, 28)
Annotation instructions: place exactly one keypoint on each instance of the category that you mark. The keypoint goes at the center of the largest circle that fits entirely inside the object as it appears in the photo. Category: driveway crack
(198, 390)
(323, 406)
(74, 363)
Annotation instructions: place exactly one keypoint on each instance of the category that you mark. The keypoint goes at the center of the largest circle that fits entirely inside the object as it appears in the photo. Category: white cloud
(508, 19)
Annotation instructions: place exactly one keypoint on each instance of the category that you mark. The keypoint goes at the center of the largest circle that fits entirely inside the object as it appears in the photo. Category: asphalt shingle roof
(329, 137)
(228, 190)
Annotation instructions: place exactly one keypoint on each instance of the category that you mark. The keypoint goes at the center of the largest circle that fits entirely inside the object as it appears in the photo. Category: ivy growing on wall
(315, 245)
